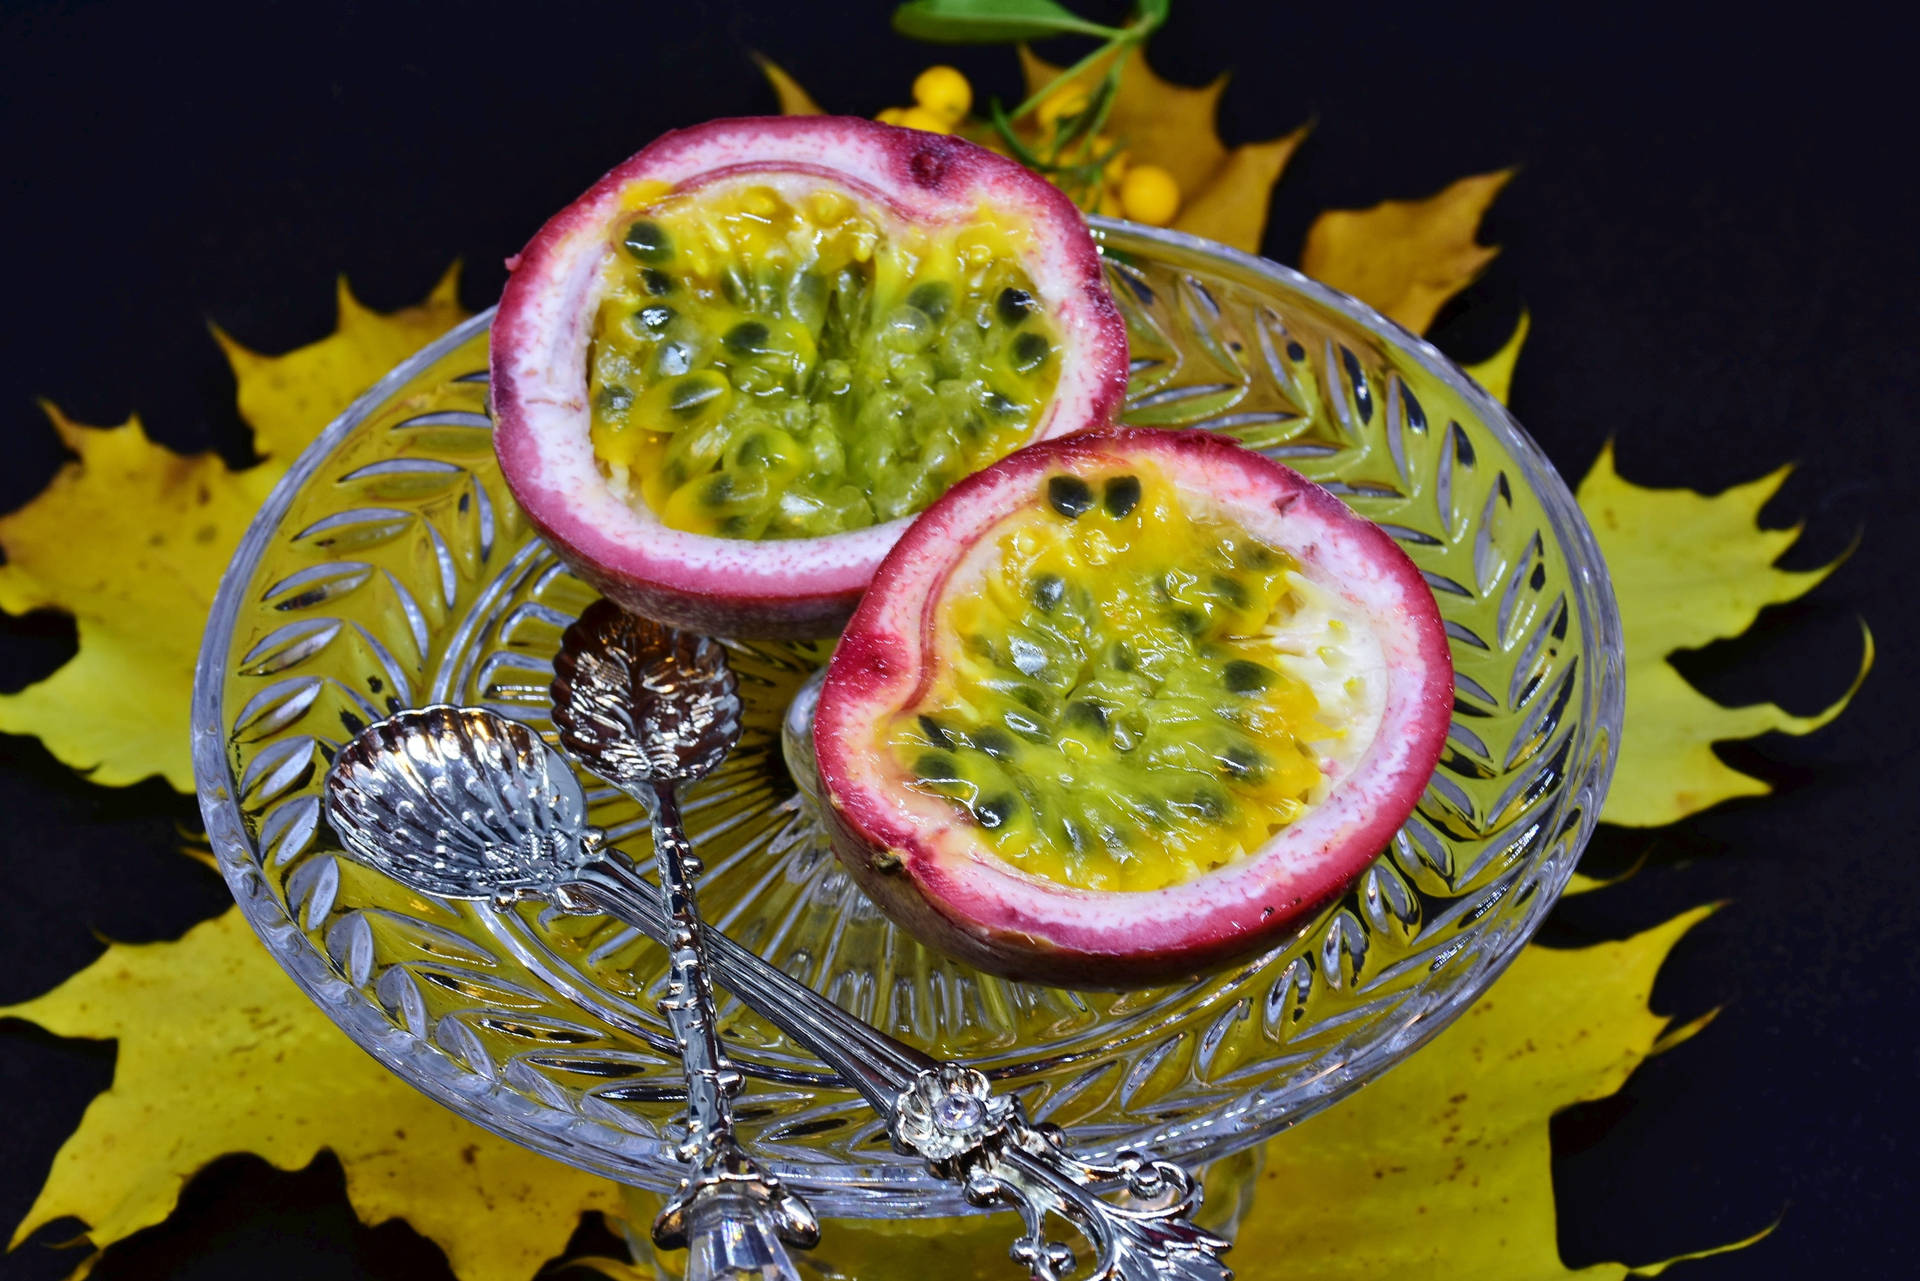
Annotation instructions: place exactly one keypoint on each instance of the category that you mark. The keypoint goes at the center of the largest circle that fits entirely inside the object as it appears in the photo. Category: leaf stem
(1118, 41)
(1021, 152)
(1081, 27)
(1040, 95)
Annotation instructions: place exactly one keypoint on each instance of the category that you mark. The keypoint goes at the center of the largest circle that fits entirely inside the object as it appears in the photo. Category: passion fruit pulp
(1123, 707)
(773, 363)
(725, 377)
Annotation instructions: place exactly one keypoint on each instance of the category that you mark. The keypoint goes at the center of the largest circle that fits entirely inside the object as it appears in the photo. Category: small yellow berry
(944, 92)
(892, 116)
(921, 118)
(1116, 167)
(1149, 194)
(1059, 105)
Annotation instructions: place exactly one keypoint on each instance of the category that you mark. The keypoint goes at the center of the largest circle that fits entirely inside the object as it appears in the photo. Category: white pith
(1326, 643)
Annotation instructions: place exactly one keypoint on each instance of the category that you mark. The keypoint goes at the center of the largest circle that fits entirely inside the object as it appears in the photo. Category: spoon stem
(711, 1080)
(727, 1199)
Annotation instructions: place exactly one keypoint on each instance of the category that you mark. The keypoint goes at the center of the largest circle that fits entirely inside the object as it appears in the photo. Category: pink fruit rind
(927, 867)
(542, 331)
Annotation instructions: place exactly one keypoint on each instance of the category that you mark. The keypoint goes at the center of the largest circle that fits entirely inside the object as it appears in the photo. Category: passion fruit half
(1123, 707)
(727, 376)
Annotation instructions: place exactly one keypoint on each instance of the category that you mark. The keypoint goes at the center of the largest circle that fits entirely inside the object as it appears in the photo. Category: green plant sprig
(1010, 21)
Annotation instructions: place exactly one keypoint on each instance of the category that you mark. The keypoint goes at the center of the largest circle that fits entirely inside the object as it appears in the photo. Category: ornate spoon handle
(647, 708)
(723, 1174)
(949, 1114)
(711, 1080)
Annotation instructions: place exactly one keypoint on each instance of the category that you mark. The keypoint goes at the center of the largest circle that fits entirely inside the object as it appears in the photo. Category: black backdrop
(1713, 226)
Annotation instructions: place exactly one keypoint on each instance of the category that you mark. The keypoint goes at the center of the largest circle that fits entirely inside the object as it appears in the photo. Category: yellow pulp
(1105, 707)
(774, 364)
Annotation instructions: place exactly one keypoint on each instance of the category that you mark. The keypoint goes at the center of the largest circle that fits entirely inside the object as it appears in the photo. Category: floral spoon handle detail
(949, 1114)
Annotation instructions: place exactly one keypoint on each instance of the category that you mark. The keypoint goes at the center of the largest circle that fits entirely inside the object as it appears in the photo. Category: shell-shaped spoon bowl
(460, 803)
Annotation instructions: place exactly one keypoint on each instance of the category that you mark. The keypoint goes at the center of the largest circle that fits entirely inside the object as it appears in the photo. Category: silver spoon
(647, 708)
(463, 803)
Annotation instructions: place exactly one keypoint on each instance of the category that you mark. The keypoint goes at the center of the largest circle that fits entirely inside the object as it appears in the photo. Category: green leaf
(1154, 12)
(990, 21)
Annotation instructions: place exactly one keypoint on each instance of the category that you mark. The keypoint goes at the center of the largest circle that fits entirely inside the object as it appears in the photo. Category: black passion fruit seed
(936, 732)
(1122, 494)
(932, 300)
(1242, 763)
(894, 359)
(937, 767)
(994, 811)
(1047, 591)
(1085, 714)
(1069, 495)
(648, 241)
(1030, 351)
(748, 338)
(696, 393)
(1227, 589)
(1001, 406)
(1245, 677)
(993, 741)
(1091, 686)
(1025, 726)
(652, 322)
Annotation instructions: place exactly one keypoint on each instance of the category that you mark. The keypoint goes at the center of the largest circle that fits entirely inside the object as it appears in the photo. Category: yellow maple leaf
(288, 399)
(794, 101)
(219, 1053)
(1406, 257)
(130, 538)
(1689, 569)
(1443, 1166)
(1495, 373)
(1224, 192)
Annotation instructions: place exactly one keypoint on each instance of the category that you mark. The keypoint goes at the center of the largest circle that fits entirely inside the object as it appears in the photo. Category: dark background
(1713, 225)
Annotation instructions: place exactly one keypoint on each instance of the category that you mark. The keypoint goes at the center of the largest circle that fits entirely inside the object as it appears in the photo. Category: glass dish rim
(576, 1139)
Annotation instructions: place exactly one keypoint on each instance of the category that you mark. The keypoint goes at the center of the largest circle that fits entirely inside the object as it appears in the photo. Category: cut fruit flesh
(1018, 791)
(1127, 692)
(772, 359)
(745, 543)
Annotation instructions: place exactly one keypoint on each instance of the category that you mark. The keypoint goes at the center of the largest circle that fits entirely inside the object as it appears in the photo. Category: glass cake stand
(390, 569)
